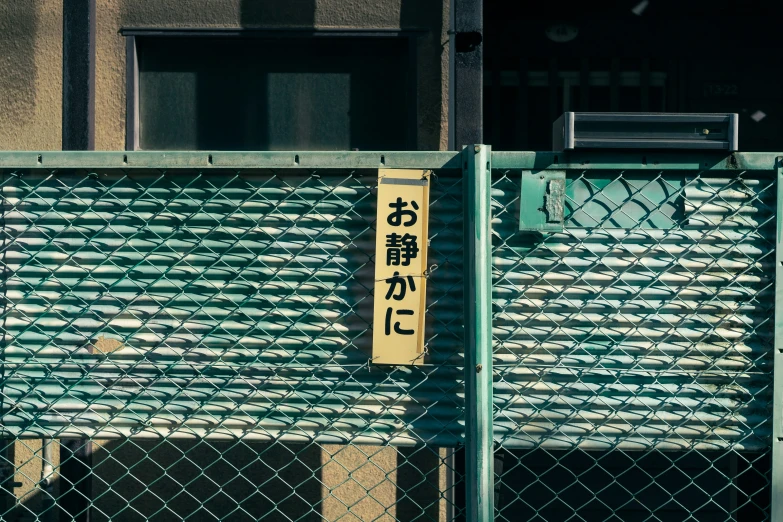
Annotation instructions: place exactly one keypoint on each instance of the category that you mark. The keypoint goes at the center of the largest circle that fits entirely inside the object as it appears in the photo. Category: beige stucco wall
(361, 483)
(31, 55)
(28, 463)
(30, 119)
(429, 15)
(31, 74)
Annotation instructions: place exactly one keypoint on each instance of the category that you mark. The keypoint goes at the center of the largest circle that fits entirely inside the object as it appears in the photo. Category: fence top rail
(653, 160)
(638, 160)
(222, 160)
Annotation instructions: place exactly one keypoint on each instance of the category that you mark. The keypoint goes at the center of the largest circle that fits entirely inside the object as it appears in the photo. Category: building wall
(431, 16)
(31, 74)
(31, 496)
(371, 468)
(30, 119)
(31, 109)
(31, 56)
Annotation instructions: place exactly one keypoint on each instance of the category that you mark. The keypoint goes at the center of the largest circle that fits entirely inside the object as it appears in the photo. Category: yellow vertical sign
(400, 265)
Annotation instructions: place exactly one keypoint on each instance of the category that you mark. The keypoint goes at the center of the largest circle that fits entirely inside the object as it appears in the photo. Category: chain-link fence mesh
(193, 345)
(633, 351)
(197, 344)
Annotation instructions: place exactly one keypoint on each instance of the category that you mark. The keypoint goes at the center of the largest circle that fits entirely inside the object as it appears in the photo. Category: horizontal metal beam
(653, 160)
(280, 32)
(220, 160)
(206, 160)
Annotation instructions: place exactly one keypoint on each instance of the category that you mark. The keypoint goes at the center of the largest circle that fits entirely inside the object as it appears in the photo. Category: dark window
(237, 93)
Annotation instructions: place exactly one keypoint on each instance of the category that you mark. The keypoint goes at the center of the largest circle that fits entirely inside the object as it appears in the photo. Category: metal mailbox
(613, 130)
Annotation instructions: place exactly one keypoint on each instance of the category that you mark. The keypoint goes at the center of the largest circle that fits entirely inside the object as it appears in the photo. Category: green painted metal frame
(479, 476)
(240, 160)
(776, 512)
(425, 160)
(702, 162)
(654, 161)
(476, 162)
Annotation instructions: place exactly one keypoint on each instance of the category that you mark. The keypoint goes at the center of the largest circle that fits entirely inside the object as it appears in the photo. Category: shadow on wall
(275, 93)
(136, 480)
(206, 481)
(17, 59)
(266, 14)
(420, 469)
(272, 13)
(328, 94)
(430, 106)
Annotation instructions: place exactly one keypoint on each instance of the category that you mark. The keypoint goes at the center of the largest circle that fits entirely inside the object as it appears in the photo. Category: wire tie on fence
(430, 270)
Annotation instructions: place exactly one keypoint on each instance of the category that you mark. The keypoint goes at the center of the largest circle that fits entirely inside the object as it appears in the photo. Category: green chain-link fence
(205, 337)
(633, 351)
(187, 337)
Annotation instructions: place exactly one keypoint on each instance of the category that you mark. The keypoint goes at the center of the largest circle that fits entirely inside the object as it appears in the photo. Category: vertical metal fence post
(777, 393)
(479, 488)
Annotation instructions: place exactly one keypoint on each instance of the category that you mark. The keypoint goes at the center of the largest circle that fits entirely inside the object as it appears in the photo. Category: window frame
(132, 64)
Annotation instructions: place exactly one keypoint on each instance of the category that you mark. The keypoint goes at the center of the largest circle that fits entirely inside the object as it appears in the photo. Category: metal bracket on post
(777, 388)
(479, 476)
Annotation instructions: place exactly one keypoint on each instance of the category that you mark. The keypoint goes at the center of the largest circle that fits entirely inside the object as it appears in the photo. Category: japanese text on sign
(400, 265)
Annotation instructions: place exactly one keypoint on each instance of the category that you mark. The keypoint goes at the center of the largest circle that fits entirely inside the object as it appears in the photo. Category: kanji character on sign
(400, 249)
(397, 328)
(403, 283)
(395, 218)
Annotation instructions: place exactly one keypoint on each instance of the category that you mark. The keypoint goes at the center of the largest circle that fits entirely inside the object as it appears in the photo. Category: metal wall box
(617, 130)
(542, 200)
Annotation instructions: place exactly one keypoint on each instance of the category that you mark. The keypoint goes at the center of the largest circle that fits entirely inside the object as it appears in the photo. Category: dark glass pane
(274, 94)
